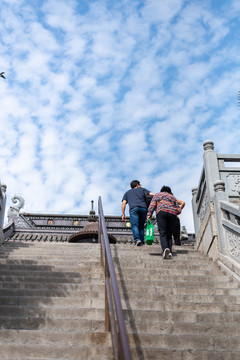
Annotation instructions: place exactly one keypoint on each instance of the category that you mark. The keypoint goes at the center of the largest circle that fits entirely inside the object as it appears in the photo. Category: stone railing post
(211, 167)
(220, 195)
(3, 199)
(194, 209)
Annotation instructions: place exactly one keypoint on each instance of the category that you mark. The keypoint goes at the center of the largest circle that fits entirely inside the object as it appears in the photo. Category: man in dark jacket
(136, 199)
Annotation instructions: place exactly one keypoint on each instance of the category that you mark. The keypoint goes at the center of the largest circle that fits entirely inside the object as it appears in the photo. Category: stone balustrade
(216, 213)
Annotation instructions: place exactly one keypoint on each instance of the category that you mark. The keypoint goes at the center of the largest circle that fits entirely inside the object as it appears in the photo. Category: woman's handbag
(149, 235)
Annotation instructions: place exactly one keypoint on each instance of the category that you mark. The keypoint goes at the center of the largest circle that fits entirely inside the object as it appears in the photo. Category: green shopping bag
(149, 235)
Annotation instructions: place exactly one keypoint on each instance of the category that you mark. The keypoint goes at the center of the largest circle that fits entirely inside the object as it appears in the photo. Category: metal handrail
(114, 320)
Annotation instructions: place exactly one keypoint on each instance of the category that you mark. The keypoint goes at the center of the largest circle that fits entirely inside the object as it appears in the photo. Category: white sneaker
(166, 253)
(138, 243)
(170, 255)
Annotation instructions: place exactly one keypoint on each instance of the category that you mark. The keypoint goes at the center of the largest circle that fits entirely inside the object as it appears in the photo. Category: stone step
(56, 278)
(174, 271)
(62, 281)
(185, 342)
(67, 287)
(98, 271)
(182, 316)
(58, 301)
(25, 351)
(90, 261)
(175, 328)
(172, 277)
(135, 287)
(161, 304)
(55, 261)
(189, 298)
(126, 303)
(57, 324)
(180, 283)
(49, 313)
(165, 264)
(198, 307)
(78, 267)
(56, 338)
(188, 354)
(85, 274)
(52, 293)
(151, 296)
(79, 273)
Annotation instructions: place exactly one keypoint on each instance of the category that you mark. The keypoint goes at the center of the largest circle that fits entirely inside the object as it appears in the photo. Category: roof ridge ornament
(92, 214)
(13, 211)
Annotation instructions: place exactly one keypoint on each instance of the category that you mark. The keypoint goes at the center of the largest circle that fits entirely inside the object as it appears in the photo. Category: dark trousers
(166, 224)
(176, 232)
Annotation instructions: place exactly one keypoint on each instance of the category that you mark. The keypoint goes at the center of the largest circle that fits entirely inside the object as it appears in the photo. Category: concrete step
(174, 271)
(187, 341)
(138, 276)
(160, 294)
(180, 316)
(67, 287)
(56, 301)
(50, 312)
(189, 298)
(49, 278)
(80, 267)
(175, 328)
(134, 287)
(199, 307)
(17, 351)
(52, 293)
(56, 338)
(79, 273)
(64, 324)
(181, 283)
(55, 262)
(189, 354)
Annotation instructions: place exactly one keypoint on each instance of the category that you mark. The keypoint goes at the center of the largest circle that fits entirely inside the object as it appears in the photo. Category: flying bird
(1, 74)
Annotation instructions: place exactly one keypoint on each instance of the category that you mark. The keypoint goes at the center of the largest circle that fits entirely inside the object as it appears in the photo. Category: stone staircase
(182, 308)
(52, 303)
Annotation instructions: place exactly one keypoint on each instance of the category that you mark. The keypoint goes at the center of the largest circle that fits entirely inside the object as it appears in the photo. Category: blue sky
(98, 93)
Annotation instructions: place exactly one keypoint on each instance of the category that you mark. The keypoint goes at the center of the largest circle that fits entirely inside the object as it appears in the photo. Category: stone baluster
(211, 167)
(194, 208)
(3, 199)
(220, 195)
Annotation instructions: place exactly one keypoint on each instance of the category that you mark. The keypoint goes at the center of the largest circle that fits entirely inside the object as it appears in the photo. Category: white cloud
(164, 10)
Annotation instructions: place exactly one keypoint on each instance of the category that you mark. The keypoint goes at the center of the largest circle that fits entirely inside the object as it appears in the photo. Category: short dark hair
(134, 183)
(166, 189)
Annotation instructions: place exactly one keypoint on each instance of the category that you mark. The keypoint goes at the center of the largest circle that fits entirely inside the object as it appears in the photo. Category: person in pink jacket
(167, 208)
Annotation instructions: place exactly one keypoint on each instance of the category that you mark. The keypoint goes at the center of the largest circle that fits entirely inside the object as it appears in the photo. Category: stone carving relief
(233, 243)
(233, 182)
(203, 206)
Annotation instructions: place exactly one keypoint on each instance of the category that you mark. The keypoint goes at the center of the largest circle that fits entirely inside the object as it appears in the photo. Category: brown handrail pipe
(123, 338)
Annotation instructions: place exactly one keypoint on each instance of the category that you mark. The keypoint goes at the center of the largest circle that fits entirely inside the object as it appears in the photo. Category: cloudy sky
(98, 93)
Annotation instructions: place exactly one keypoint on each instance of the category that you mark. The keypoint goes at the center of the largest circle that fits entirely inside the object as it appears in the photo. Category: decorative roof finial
(92, 216)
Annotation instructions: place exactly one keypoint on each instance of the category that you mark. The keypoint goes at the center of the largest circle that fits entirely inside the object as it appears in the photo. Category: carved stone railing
(3, 199)
(216, 211)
